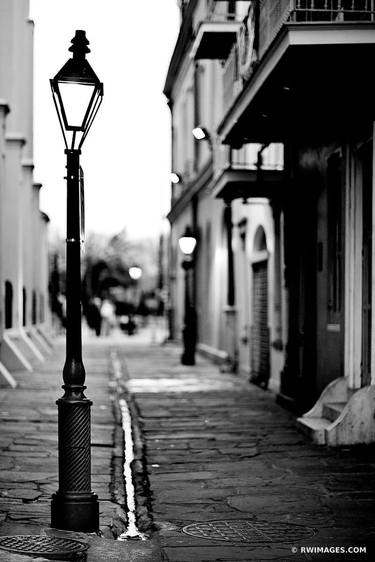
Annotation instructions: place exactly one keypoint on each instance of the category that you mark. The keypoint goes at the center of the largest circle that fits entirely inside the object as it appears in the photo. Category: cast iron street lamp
(77, 94)
(135, 273)
(187, 244)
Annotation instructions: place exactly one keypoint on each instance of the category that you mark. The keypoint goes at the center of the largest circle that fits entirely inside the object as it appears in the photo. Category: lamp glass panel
(187, 244)
(76, 100)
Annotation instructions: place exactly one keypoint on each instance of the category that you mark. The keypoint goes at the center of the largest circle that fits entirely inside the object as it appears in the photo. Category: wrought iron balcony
(241, 173)
(293, 54)
(274, 13)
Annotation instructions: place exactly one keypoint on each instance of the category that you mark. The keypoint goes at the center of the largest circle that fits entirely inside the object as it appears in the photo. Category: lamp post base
(75, 512)
(187, 359)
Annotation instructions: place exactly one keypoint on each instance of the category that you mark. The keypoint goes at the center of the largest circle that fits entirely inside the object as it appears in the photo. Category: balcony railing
(274, 13)
(246, 158)
(333, 10)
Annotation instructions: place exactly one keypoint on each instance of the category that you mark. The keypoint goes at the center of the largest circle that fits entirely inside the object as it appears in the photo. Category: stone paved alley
(209, 446)
(218, 448)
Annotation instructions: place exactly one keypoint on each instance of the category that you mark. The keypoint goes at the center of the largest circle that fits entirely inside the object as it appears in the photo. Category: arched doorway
(8, 304)
(260, 333)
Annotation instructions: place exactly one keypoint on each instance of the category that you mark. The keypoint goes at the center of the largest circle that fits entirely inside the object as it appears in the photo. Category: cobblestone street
(28, 456)
(208, 447)
(219, 448)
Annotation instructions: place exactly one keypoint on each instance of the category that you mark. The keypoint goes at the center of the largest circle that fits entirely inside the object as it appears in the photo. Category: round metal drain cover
(52, 548)
(246, 530)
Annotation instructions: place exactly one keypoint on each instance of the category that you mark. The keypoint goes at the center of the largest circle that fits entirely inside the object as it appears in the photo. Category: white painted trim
(21, 358)
(259, 256)
(373, 265)
(217, 354)
(7, 376)
(43, 344)
(328, 34)
(42, 331)
(353, 273)
(212, 27)
(30, 345)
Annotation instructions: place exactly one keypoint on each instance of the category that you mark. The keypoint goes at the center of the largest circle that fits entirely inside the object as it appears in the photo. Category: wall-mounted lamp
(175, 178)
(200, 133)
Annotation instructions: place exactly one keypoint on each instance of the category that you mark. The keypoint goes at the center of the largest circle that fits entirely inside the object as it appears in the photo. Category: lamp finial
(79, 46)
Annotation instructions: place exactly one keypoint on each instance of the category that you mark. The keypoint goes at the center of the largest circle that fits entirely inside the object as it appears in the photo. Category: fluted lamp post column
(77, 94)
(187, 244)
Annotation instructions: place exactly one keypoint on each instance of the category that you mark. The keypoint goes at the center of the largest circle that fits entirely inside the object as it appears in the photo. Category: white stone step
(332, 410)
(314, 428)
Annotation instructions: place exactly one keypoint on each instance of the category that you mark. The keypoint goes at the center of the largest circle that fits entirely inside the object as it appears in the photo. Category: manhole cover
(245, 530)
(50, 547)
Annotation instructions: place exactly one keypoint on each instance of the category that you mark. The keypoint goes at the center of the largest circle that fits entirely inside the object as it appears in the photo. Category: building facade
(23, 228)
(279, 194)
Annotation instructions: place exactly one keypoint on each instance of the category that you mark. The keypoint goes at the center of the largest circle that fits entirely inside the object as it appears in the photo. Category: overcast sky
(126, 156)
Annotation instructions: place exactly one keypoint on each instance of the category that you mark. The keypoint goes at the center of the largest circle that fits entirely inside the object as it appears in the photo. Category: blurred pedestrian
(93, 315)
(108, 317)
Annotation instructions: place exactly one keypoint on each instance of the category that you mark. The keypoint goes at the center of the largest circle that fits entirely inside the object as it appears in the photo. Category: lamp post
(77, 94)
(187, 244)
(135, 273)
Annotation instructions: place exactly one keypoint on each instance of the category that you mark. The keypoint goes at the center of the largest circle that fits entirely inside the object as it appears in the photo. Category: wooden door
(260, 337)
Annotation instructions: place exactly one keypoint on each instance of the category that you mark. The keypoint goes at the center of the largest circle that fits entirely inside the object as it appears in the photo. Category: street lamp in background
(187, 244)
(135, 274)
(77, 94)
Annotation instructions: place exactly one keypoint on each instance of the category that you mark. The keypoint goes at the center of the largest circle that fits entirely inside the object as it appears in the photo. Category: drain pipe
(260, 162)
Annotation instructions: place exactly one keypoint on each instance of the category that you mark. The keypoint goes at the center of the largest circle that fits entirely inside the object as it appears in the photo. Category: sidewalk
(219, 448)
(208, 447)
(28, 456)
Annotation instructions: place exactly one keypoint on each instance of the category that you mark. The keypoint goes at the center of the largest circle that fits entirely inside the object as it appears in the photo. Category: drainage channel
(132, 531)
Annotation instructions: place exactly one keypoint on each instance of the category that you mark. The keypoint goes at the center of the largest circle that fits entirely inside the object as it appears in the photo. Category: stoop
(341, 416)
